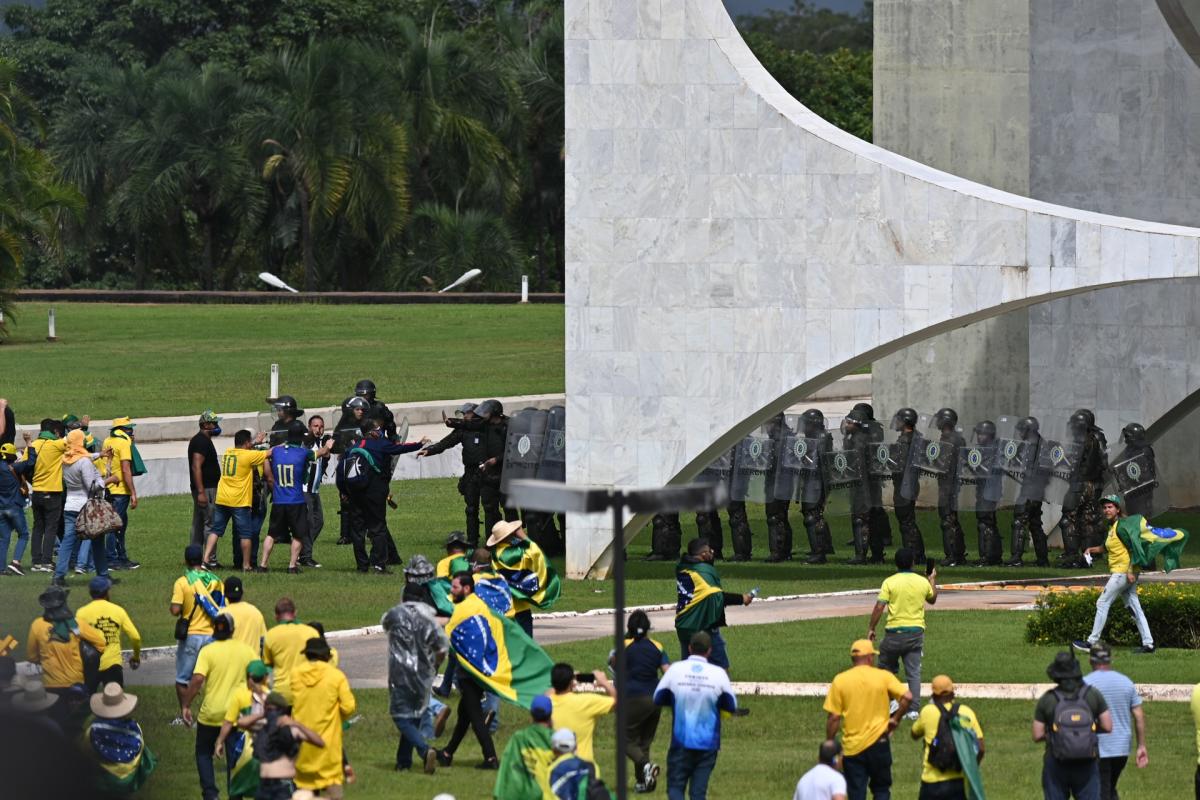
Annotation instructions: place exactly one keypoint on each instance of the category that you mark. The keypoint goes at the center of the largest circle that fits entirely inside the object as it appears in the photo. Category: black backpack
(357, 465)
(943, 752)
(1072, 731)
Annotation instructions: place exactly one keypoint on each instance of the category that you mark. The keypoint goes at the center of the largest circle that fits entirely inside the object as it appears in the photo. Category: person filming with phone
(578, 712)
(904, 596)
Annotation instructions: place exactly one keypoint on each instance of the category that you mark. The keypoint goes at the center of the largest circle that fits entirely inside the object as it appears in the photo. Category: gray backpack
(1072, 732)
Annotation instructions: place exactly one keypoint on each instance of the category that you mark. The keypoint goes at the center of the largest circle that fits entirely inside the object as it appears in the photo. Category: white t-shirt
(821, 782)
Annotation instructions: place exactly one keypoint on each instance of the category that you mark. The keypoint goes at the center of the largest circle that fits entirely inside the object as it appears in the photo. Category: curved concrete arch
(729, 251)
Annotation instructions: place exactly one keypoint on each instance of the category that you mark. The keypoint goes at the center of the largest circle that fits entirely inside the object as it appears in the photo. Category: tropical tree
(447, 242)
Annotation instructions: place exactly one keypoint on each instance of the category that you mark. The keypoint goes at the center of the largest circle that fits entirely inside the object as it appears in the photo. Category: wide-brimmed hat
(317, 648)
(33, 697)
(419, 569)
(502, 530)
(53, 600)
(1064, 667)
(112, 702)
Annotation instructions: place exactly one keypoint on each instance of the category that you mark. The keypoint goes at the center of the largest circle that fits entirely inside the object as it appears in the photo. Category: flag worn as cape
(529, 574)
(525, 766)
(208, 590)
(700, 604)
(497, 653)
(121, 752)
(439, 588)
(494, 590)
(1145, 543)
(243, 776)
(968, 748)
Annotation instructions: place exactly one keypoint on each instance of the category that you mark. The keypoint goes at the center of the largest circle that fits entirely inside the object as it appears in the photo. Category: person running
(470, 704)
(700, 601)
(645, 662)
(283, 646)
(235, 496)
(416, 646)
(530, 576)
(1125, 705)
(824, 781)
(111, 620)
(579, 711)
(942, 783)
(904, 596)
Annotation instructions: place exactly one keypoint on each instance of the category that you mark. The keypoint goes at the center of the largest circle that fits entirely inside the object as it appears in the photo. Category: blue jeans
(491, 703)
(1061, 780)
(70, 542)
(689, 766)
(115, 542)
(206, 742)
(431, 711)
(718, 656)
(1118, 586)
(411, 737)
(872, 767)
(13, 519)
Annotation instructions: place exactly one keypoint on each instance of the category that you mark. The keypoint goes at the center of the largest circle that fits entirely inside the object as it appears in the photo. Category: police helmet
(905, 417)
(358, 403)
(1078, 423)
(1027, 426)
(1134, 433)
(464, 409)
(365, 388)
(858, 416)
(489, 408)
(866, 409)
(813, 420)
(944, 417)
(986, 430)
(1087, 414)
(285, 402)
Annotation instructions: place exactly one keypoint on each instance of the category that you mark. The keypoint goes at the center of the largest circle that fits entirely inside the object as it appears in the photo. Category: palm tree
(447, 242)
(330, 140)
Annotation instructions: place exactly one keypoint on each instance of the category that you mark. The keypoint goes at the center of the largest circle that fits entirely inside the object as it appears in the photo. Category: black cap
(222, 627)
(193, 554)
(296, 431)
(233, 588)
(317, 648)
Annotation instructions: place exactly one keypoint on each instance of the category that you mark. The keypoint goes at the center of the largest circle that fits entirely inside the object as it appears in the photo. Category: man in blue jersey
(289, 511)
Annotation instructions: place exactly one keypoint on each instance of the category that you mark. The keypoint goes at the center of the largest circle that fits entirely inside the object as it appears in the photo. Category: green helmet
(209, 416)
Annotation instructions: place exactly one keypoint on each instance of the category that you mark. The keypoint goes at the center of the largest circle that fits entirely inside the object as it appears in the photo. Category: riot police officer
(779, 529)
(377, 411)
(465, 433)
(855, 437)
(494, 425)
(353, 414)
(286, 412)
(666, 536)
(880, 525)
(1027, 512)
(1139, 501)
(906, 484)
(986, 498)
(1082, 522)
(813, 493)
(953, 540)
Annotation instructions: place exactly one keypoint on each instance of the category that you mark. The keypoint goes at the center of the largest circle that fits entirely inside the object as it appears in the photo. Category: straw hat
(502, 530)
(33, 698)
(112, 702)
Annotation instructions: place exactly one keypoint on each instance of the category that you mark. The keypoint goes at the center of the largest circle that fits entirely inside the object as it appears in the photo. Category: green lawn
(341, 598)
(762, 755)
(171, 360)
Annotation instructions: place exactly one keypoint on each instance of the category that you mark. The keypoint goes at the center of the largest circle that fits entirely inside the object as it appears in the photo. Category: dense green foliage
(1173, 611)
(341, 144)
(811, 28)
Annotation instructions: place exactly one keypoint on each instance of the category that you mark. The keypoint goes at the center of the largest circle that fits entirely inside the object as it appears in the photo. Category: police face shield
(979, 475)
(524, 446)
(753, 466)
(1135, 475)
(553, 466)
(1058, 461)
(845, 477)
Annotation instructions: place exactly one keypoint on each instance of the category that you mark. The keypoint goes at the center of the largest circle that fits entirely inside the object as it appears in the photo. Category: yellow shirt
(578, 713)
(47, 472)
(1196, 717)
(861, 696)
(223, 665)
(111, 620)
(323, 701)
(442, 570)
(183, 596)
(242, 702)
(1118, 554)
(283, 649)
(122, 450)
(905, 594)
(236, 488)
(248, 624)
(927, 725)
(62, 666)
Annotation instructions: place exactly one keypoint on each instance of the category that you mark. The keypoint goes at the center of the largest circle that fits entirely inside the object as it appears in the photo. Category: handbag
(183, 625)
(97, 517)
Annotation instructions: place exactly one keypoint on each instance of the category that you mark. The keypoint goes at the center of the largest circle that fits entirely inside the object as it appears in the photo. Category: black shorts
(287, 521)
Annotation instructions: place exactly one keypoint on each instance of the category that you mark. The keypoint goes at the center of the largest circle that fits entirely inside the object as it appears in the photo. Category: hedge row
(1172, 609)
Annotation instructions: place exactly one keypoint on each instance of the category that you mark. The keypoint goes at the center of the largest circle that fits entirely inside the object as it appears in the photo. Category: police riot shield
(1134, 474)
(798, 475)
(553, 466)
(1017, 459)
(846, 479)
(880, 462)
(402, 430)
(980, 479)
(1058, 463)
(930, 454)
(523, 448)
(719, 470)
(753, 465)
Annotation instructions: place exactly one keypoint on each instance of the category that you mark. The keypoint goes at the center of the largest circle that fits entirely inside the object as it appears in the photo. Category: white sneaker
(15, 568)
(177, 722)
(650, 776)
(912, 716)
(80, 571)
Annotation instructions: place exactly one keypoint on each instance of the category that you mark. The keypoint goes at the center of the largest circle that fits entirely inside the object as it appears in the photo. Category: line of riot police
(1006, 463)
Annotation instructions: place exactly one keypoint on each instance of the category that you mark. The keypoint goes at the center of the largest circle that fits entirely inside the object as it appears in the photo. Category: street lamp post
(555, 497)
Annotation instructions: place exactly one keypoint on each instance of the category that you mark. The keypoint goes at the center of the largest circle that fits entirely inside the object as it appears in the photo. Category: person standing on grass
(123, 463)
(235, 495)
(417, 645)
(242, 718)
(580, 710)
(80, 481)
(54, 642)
(13, 490)
(530, 575)
(904, 596)
(248, 623)
(204, 473)
(859, 704)
(940, 781)
(110, 619)
(525, 765)
(700, 602)
(196, 599)
(824, 781)
(283, 646)
(698, 691)
(323, 702)
(1069, 719)
(289, 512)
(645, 663)
(1125, 706)
(47, 497)
(319, 442)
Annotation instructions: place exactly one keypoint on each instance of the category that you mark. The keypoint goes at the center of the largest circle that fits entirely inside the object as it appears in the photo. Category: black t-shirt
(10, 426)
(210, 470)
(643, 659)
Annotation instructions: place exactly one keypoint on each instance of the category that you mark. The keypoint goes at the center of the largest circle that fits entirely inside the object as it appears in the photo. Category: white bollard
(524, 288)
(51, 335)
(274, 381)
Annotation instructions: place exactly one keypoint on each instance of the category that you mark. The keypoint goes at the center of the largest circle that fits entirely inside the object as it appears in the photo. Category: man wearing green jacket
(701, 602)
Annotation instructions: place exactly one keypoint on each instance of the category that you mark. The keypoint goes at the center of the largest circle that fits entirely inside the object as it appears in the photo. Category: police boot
(989, 541)
(881, 525)
(819, 537)
(952, 540)
(910, 534)
(739, 531)
(1019, 535)
(777, 532)
(708, 526)
(1070, 558)
(658, 536)
(859, 526)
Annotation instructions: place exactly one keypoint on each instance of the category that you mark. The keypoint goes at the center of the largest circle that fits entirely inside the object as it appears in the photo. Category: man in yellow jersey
(220, 671)
(578, 711)
(283, 646)
(859, 703)
(47, 492)
(235, 494)
(248, 623)
(944, 784)
(456, 547)
(124, 464)
(196, 598)
(111, 620)
(904, 596)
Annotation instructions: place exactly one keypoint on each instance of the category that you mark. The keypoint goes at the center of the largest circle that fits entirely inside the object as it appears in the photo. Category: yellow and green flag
(529, 574)
(700, 603)
(497, 653)
(1145, 542)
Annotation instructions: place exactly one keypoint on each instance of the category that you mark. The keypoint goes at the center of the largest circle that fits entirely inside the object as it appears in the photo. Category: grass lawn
(181, 359)
(341, 598)
(762, 755)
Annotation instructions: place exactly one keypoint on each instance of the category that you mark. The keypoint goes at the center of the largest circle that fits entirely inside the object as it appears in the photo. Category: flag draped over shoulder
(208, 589)
(439, 588)
(529, 574)
(243, 776)
(497, 653)
(968, 747)
(122, 753)
(1145, 543)
(495, 591)
(525, 768)
(700, 603)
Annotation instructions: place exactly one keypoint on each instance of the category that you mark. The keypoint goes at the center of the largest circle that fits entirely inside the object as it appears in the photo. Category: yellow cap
(123, 422)
(862, 647)
(7, 449)
(942, 685)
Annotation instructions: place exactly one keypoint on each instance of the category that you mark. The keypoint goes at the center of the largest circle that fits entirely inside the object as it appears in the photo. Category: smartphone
(585, 677)
(930, 566)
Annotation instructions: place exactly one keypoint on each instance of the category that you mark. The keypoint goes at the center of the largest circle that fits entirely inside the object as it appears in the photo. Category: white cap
(444, 796)
(563, 741)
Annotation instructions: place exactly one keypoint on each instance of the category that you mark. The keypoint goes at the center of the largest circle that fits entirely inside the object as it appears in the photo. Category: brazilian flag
(208, 590)
(243, 775)
(700, 603)
(121, 751)
(529, 574)
(494, 590)
(1145, 543)
(497, 653)
(439, 588)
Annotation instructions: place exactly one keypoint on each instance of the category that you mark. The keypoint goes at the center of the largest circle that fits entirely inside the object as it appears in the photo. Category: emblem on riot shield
(1011, 449)
(523, 446)
(1134, 471)
(933, 451)
(800, 449)
(756, 448)
(883, 455)
(560, 440)
(974, 458)
(1058, 454)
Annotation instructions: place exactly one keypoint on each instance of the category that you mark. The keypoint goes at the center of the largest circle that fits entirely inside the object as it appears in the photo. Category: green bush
(1173, 610)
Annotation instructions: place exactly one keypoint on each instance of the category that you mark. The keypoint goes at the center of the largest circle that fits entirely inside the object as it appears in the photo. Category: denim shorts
(186, 653)
(242, 523)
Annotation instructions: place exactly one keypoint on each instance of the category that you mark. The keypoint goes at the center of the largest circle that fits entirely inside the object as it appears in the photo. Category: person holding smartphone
(579, 712)
(904, 596)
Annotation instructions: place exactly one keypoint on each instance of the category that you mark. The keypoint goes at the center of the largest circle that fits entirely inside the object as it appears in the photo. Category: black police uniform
(906, 507)
(1139, 502)
(820, 538)
(474, 453)
(954, 542)
(864, 536)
